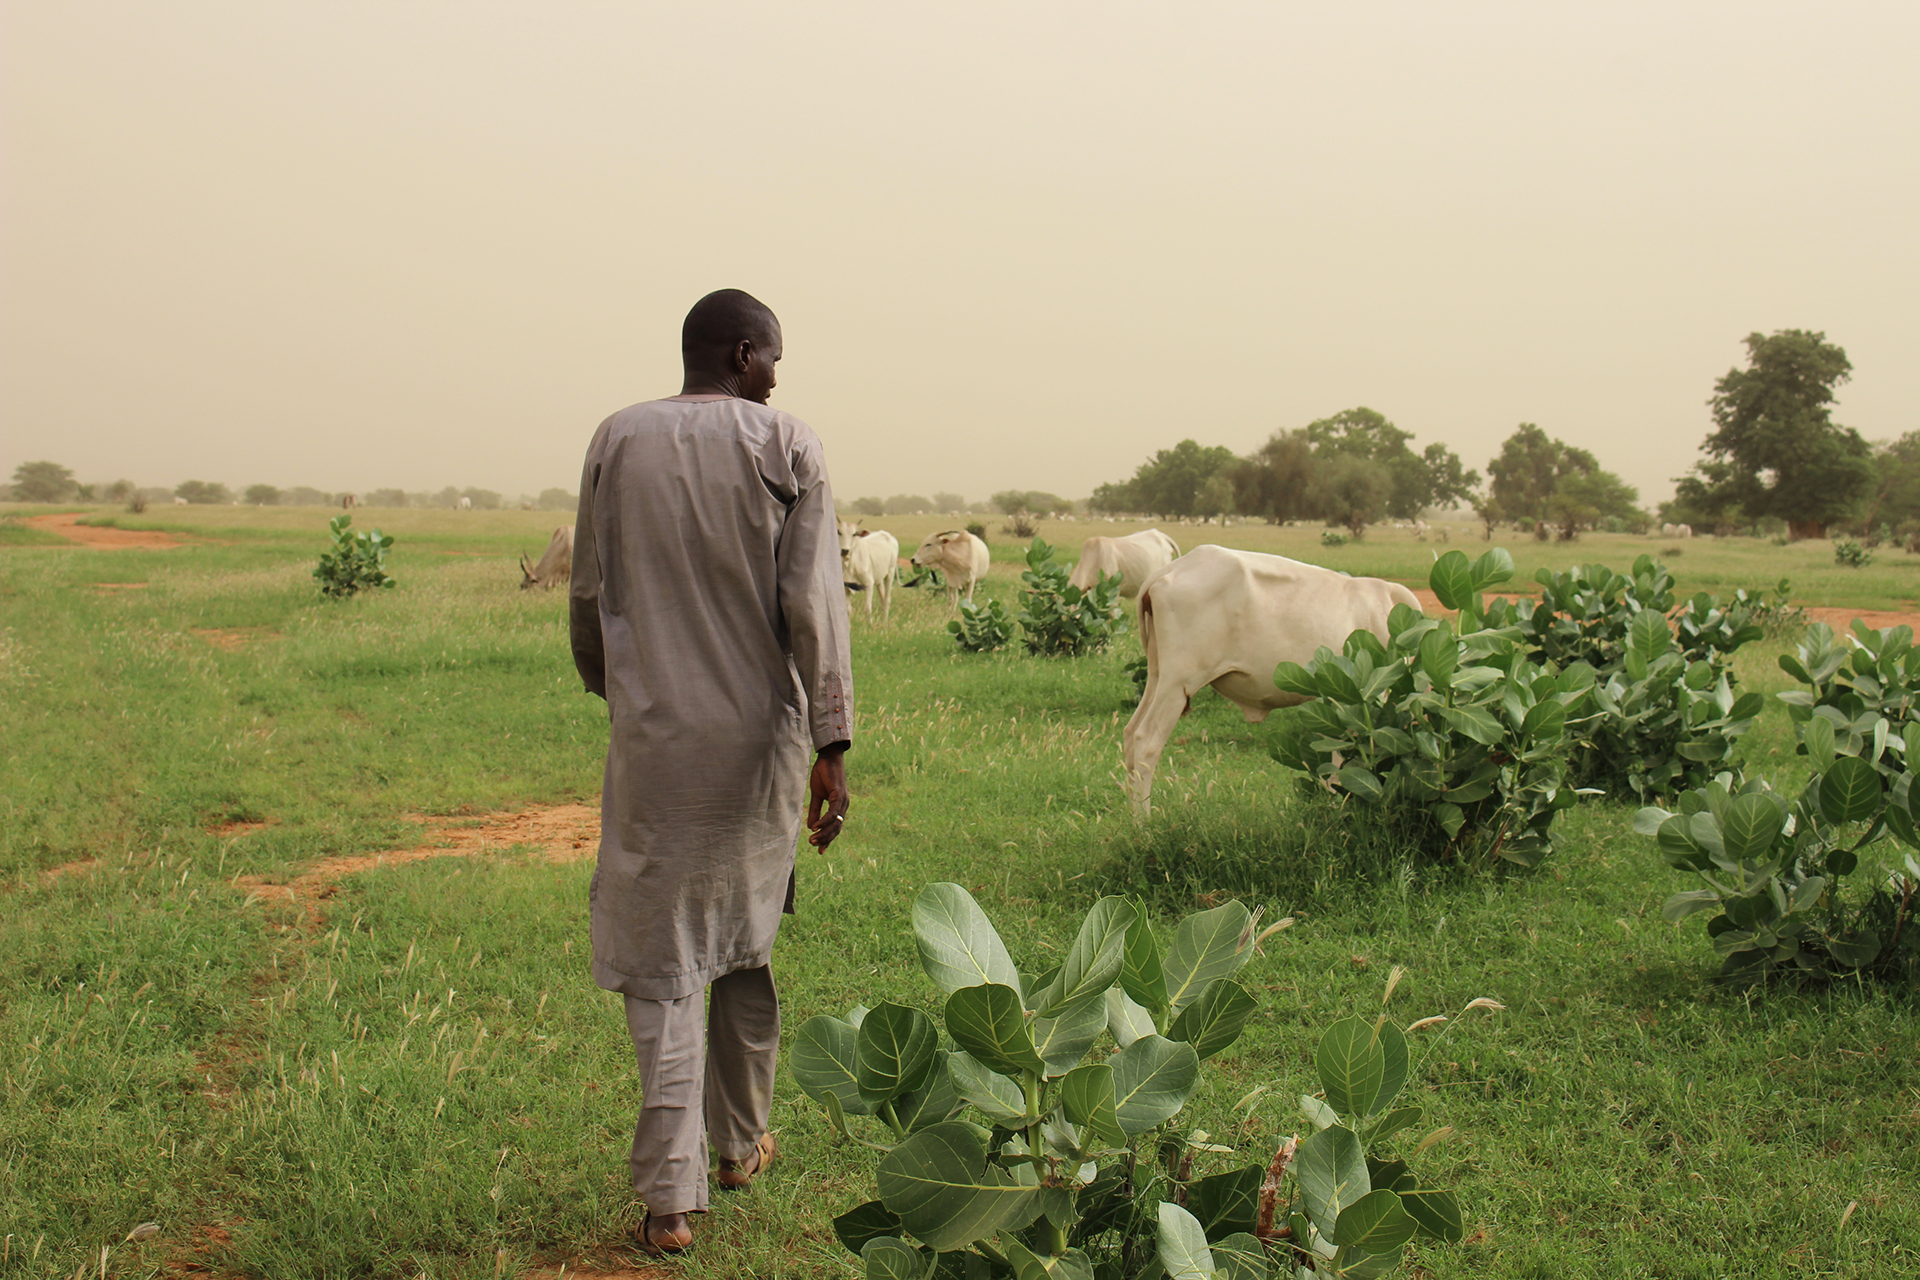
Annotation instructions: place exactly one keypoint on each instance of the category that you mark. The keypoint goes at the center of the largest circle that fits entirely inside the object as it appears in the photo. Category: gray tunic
(707, 608)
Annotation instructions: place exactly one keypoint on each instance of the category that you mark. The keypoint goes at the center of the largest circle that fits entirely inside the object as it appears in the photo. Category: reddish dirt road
(67, 525)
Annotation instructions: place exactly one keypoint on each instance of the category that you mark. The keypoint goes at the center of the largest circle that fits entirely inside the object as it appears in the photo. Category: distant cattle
(1227, 619)
(179, 502)
(1136, 557)
(465, 504)
(555, 567)
(348, 502)
(1676, 530)
(959, 556)
(869, 560)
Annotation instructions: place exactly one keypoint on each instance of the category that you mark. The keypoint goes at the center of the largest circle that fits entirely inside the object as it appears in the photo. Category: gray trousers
(701, 1085)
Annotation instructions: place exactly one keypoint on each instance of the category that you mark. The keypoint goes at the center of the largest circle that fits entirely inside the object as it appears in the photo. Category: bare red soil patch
(560, 833)
(236, 828)
(591, 1272)
(111, 587)
(67, 525)
(234, 639)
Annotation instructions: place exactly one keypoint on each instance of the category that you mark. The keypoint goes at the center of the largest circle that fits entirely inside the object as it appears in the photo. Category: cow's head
(526, 574)
(849, 530)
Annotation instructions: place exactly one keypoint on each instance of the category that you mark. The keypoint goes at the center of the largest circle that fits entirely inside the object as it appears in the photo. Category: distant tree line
(909, 504)
(51, 482)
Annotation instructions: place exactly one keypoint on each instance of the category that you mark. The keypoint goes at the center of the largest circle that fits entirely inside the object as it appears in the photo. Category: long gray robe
(707, 608)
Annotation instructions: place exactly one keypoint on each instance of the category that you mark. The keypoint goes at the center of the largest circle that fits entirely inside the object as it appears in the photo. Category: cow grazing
(555, 567)
(869, 559)
(1227, 619)
(1136, 557)
(960, 557)
(348, 502)
(465, 504)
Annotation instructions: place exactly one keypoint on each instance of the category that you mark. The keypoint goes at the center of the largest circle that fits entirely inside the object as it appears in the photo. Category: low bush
(358, 561)
(1448, 729)
(1072, 1168)
(1060, 618)
(1849, 554)
(1334, 538)
(982, 628)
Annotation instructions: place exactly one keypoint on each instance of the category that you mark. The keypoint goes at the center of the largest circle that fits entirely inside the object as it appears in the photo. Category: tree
(1352, 490)
(869, 507)
(949, 502)
(1216, 496)
(203, 492)
(1276, 481)
(385, 498)
(301, 495)
(119, 491)
(42, 482)
(1775, 450)
(1435, 477)
(262, 495)
(1520, 480)
(1009, 502)
(557, 500)
(906, 504)
(1167, 484)
(483, 499)
(1896, 494)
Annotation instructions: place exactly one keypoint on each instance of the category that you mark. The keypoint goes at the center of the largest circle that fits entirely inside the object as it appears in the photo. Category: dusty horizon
(353, 246)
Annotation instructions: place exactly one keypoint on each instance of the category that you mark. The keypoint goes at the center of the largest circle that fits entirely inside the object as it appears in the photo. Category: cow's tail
(1147, 629)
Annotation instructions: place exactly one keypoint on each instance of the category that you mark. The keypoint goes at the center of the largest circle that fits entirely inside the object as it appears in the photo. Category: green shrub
(1773, 612)
(1849, 554)
(358, 561)
(1455, 734)
(1060, 618)
(982, 628)
(1334, 538)
(1874, 673)
(1072, 1168)
(922, 576)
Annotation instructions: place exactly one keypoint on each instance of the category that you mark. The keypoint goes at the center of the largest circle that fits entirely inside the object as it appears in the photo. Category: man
(707, 609)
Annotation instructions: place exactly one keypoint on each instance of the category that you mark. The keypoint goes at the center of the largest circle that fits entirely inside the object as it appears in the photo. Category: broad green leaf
(1028, 1265)
(1646, 821)
(1216, 1019)
(1849, 790)
(1207, 945)
(1127, 1020)
(1679, 846)
(1361, 782)
(1151, 1080)
(1240, 1256)
(939, 1183)
(1332, 1171)
(1436, 1213)
(932, 1102)
(1291, 677)
(893, 1052)
(1375, 1223)
(958, 945)
(865, 1222)
(1226, 1201)
(1140, 970)
(1474, 722)
(1087, 1095)
(1061, 1042)
(1439, 657)
(1751, 823)
(823, 1061)
(1817, 736)
(889, 1258)
(1361, 1064)
(1093, 962)
(1391, 1123)
(1682, 905)
(1001, 1098)
(1183, 1245)
(1648, 636)
(1322, 1115)
(1492, 568)
(989, 1023)
(1451, 579)
(1546, 720)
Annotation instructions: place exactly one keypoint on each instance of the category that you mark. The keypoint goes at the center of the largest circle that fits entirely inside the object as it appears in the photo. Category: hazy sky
(1013, 245)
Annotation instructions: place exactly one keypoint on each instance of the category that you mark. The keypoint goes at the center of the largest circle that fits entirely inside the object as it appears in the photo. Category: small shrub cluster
(358, 561)
(1334, 538)
(1449, 727)
(982, 628)
(1073, 1168)
(1849, 554)
(1060, 618)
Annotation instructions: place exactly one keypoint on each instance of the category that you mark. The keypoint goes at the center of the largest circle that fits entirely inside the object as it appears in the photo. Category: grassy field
(421, 1078)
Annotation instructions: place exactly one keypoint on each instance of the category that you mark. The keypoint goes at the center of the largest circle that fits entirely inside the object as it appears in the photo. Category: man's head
(730, 342)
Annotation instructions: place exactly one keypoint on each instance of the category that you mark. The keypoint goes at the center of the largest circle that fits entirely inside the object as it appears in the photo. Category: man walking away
(707, 609)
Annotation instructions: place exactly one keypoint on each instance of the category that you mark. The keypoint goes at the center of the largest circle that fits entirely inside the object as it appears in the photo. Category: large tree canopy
(1775, 450)
(1170, 483)
(42, 482)
(1536, 477)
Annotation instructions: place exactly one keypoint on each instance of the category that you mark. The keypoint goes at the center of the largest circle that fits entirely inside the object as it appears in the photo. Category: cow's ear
(863, 533)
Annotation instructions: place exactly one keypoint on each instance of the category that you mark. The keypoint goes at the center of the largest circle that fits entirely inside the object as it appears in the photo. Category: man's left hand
(827, 788)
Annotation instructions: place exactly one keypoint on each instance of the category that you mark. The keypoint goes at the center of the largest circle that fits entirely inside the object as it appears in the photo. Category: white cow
(869, 559)
(465, 504)
(1136, 557)
(1676, 530)
(960, 557)
(556, 565)
(1227, 619)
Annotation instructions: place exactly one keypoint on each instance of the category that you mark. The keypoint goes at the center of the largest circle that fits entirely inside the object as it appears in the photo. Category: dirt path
(66, 524)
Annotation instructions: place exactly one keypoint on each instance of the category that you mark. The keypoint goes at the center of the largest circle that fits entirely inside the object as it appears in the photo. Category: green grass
(287, 1101)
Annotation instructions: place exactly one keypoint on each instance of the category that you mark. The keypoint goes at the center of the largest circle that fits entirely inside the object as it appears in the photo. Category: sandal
(643, 1240)
(739, 1179)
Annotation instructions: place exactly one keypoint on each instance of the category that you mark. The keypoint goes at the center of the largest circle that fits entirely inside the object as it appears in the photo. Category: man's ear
(742, 355)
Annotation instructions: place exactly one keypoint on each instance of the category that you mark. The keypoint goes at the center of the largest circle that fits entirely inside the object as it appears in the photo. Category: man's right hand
(827, 788)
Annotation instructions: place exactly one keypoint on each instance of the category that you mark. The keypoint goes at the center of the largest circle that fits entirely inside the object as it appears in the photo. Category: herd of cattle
(1214, 616)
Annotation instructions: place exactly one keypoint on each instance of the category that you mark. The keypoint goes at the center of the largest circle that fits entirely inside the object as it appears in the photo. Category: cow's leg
(1160, 709)
(885, 587)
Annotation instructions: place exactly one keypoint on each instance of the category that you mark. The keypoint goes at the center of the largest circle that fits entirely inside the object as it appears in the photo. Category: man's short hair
(722, 320)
